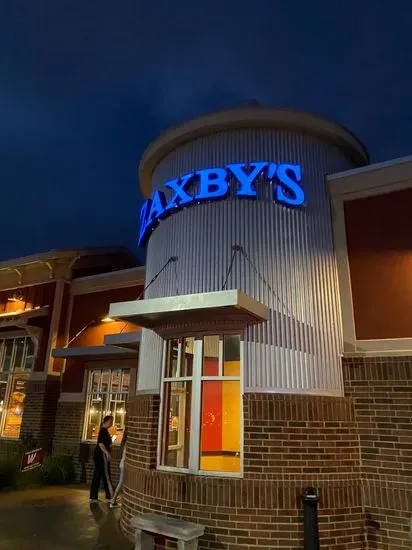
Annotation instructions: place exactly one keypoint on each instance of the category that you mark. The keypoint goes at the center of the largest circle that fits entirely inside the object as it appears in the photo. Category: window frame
(12, 375)
(89, 394)
(196, 405)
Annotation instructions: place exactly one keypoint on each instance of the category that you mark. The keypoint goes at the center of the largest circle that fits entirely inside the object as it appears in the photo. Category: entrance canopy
(204, 312)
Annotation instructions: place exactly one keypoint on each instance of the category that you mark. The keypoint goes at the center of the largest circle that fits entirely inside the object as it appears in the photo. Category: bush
(9, 473)
(57, 470)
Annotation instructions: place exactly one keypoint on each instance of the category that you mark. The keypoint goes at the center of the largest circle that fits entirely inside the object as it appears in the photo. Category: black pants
(101, 472)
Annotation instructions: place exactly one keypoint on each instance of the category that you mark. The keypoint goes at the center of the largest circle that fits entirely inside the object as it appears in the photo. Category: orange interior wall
(88, 307)
(379, 240)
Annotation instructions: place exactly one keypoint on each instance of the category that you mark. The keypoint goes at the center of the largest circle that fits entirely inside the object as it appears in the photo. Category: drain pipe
(310, 501)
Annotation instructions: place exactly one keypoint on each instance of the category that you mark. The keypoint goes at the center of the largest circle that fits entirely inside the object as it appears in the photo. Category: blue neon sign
(214, 184)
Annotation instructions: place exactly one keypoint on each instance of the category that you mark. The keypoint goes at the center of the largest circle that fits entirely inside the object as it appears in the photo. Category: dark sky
(85, 85)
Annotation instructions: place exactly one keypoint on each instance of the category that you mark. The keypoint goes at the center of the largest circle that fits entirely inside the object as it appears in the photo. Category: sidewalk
(57, 518)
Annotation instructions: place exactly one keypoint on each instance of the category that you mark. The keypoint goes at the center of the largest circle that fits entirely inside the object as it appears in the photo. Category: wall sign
(213, 184)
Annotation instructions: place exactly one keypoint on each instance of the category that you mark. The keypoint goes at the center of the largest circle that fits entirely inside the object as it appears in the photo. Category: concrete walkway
(59, 519)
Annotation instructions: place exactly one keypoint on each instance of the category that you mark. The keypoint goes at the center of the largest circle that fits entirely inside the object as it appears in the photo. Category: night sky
(86, 85)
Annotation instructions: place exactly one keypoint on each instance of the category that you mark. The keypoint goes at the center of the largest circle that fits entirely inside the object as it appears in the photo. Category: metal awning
(231, 309)
(93, 352)
(129, 340)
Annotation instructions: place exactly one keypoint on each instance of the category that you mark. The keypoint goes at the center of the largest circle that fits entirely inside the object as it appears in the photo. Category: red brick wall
(67, 441)
(290, 442)
(381, 389)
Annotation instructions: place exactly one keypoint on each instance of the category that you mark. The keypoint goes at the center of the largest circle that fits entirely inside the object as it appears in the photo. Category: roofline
(370, 168)
(245, 117)
(131, 270)
(62, 254)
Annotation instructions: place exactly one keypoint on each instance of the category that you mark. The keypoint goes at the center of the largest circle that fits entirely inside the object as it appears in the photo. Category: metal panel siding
(299, 348)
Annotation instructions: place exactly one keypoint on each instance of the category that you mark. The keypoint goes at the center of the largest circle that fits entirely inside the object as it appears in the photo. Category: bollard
(310, 501)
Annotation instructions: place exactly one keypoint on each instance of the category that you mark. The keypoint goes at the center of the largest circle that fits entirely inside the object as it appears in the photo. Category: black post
(310, 501)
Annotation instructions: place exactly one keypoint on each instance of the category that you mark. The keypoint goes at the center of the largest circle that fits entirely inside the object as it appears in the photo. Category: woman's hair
(107, 418)
(124, 438)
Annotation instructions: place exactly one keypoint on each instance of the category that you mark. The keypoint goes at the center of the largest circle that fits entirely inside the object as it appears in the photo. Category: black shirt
(103, 437)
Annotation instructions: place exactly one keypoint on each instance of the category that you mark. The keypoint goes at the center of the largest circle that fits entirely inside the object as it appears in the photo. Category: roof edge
(246, 117)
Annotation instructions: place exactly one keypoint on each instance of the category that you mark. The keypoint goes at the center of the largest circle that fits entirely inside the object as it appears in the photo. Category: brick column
(290, 442)
(381, 388)
(40, 406)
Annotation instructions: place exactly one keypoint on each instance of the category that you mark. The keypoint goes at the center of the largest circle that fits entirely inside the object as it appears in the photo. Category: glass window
(108, 391)
(14, 413)
(17, 357)
(176, 428)
(201, 395)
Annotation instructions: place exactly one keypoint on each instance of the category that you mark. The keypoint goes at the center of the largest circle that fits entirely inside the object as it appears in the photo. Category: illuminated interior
(17, 356)
(108, 391)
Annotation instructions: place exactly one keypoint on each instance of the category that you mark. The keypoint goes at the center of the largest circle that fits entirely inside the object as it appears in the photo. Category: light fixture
(107, 319)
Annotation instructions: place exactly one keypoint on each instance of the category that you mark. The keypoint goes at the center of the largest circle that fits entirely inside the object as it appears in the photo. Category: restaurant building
(264, 349)
(63, 362)
(275, 353)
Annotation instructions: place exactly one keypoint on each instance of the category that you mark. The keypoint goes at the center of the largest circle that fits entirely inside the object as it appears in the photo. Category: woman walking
(114, 502)
(102, 457)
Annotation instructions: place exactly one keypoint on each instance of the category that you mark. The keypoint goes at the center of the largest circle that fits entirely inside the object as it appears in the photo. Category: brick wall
(381, 389)
(9, 448)
(40, 406)
(290, 442)
(68, 441)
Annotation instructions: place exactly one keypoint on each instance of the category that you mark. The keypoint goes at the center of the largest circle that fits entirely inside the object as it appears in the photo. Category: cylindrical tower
(287, 260)
(239, 404)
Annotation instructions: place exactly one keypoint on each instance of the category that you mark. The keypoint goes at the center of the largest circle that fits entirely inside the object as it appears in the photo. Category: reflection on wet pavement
(58, 518)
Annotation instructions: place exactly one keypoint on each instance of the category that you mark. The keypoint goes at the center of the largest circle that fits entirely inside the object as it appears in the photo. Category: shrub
(9, 473)
(57, 470)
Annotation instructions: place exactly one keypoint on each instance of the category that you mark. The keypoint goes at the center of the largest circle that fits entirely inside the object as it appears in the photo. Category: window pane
(29, 361)
(95, 380)
(19, 353)
(231, 355)
(177, 401)
(220, 426)
(95, 417)
(8, 352)
(172, 351)
(117, 408)
(3, 387)
(210, 356)
(116, 377)
(187, 357)
(105, 381)
(15, 408)
(126, 381)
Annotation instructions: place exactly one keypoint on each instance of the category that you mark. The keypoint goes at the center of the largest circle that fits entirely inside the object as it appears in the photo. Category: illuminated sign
(214, 183)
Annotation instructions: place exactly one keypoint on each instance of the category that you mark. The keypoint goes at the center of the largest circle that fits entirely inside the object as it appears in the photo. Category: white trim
(161, 412)
(210, 473)
(72, 397)
(153, 391)
(343, 271)
(123, 278)
(389, 346)
(370, 168)
(196, 407)
(296, 391)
